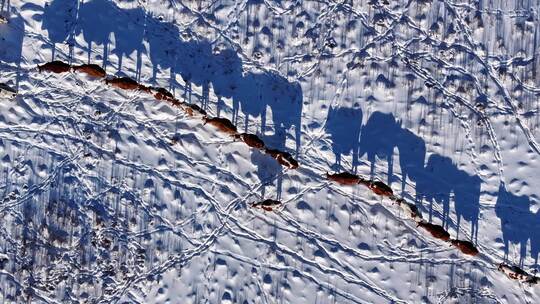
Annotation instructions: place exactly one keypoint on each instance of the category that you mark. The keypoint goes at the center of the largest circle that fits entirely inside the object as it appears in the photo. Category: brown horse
(191, 109)
(55, 67)
(380, 188)
(222, 124)
(516, 273)
(283, 158)
(287, 160)
(7, 92)
(93, 70)
(251, 140)
(465, 246)
(410, 209)
(145, 89)
(436, 231)
(344, 178)
(124, 83)
(163, 94)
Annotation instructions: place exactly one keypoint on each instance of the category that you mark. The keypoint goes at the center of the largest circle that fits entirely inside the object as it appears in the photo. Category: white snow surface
(110, 196)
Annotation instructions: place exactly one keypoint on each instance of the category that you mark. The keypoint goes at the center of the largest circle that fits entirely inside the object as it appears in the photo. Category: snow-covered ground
(112, 196)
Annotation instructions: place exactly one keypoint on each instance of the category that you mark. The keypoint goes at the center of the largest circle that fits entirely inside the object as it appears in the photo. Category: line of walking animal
(285, 159)
(437, 231)
(382, 189)
(222, 124)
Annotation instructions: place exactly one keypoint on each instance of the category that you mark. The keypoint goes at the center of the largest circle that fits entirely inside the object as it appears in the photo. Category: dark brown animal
(163, 94)
(344, 178)
(267, 204)
(93, 70)
(55, 67)
(465, 246)
(251, 140)
(532, 280)
(273, 153)
(380, 188)
(364, 182)
(223, 124)
(124, 83)
(145, 89)
(283, 158)
(175, 102)
(436, 231)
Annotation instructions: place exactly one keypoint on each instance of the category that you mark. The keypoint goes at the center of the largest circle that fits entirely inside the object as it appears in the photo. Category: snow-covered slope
(113, 196)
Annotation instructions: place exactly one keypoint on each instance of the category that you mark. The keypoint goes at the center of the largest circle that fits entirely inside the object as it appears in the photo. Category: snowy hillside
(113, 196)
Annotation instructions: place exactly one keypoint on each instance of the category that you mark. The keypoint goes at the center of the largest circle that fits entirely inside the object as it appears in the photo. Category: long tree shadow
(5, 5)
(535, 237)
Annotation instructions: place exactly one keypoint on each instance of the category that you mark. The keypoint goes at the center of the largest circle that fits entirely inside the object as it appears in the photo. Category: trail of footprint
(466, 32)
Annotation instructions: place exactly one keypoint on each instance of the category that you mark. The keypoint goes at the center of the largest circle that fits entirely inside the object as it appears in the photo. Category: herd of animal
(285, 159)
(381, 189)
(437, 231)
(224, 125)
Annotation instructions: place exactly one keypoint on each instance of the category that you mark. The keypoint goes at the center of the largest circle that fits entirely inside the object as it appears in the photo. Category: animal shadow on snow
(436, 179)
(439, 181)
(255, 93)
(101, 23)
(344, 125)
(519, 224)
(59, 20)
(11, 40)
